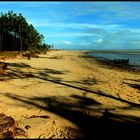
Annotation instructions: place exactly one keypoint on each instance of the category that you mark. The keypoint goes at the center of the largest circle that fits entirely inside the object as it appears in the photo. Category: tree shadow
(44, 74)
(13, 74)
(89, 125)
(19, 65)
(16, 71)
(136, 85)
(83, 100)
(78, 112)
(135, 80)
(46, 77)
(87, 81)
(52, 71)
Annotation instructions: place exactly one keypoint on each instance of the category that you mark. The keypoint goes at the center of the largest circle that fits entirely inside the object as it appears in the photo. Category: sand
(63, 95)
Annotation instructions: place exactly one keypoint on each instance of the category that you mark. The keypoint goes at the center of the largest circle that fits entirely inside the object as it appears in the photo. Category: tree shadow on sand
(44, 74)
(135, 85)
(80, 113)
(85, 81)
(19, 65)
(45, 77)
(16, 71)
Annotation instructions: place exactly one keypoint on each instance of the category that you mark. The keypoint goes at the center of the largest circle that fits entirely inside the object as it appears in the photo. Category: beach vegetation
(16, 34)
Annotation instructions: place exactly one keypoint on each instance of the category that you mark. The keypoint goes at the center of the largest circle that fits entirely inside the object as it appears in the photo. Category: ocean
(133, 56)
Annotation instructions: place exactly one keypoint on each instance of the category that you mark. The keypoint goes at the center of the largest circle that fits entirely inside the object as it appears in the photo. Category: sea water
(134, 57)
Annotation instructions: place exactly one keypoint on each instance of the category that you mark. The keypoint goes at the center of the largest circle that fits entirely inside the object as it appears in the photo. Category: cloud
(84, 43)
(67, 42)
(63, 42)
(113, 40)
(69, 34)
(99, 40)
(93, 36)
(110, 10)
(105, 12)
(44, 23)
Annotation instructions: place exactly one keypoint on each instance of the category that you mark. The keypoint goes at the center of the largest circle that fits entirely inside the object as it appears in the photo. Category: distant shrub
(56, 57)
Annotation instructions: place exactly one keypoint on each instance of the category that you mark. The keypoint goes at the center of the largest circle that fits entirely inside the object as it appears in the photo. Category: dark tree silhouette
(17, 35)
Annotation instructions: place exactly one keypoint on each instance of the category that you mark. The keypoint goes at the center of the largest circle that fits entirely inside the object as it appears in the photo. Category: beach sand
(63, 95)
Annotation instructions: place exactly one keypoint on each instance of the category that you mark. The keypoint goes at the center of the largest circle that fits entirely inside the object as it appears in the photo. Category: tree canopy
(17, 35)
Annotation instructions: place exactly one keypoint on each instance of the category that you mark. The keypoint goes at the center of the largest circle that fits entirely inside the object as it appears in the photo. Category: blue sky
(83, 25)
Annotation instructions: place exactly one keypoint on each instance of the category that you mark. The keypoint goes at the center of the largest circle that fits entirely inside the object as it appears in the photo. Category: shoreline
(108, 63)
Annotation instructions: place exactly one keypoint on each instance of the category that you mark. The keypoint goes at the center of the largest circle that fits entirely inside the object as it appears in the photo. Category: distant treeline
(17, 35)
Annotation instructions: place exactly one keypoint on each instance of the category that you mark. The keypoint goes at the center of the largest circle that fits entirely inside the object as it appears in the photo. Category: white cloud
(67, 42)
(84, 43)
(71, 34)
(99, 40)
(63, 43)
(135, 42)
(44, 23)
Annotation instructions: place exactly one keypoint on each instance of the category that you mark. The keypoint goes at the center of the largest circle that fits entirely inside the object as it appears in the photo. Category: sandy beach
(63, 95)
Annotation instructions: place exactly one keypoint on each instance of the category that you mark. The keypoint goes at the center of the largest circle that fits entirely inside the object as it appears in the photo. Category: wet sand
(64, 95)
